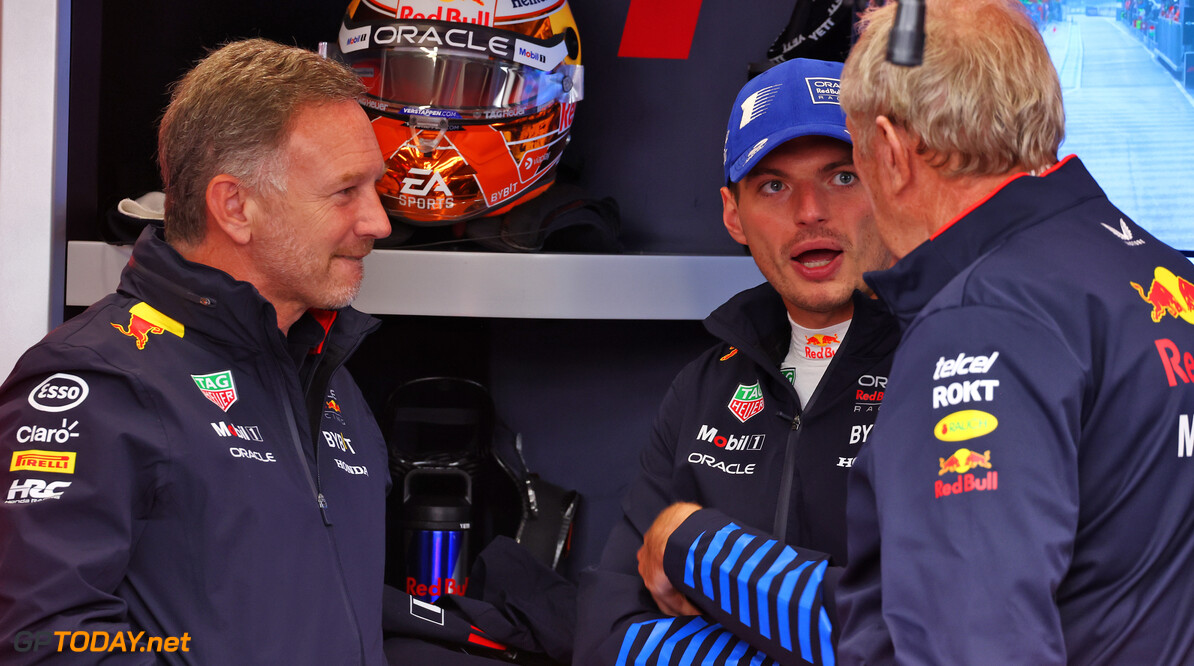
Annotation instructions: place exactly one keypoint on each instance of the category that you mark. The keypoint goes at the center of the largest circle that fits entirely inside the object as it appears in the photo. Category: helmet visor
(458, 71)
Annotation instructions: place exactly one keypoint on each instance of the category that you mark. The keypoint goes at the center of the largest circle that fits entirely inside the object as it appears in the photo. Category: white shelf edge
(490, 284)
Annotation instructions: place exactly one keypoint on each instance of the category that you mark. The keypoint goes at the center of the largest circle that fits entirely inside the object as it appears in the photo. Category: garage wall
(33, 100)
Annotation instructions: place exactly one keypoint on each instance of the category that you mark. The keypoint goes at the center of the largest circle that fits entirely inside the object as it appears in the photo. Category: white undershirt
(809, 354)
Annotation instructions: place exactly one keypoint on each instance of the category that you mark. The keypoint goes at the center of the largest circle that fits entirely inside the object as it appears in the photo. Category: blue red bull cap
(793, 99)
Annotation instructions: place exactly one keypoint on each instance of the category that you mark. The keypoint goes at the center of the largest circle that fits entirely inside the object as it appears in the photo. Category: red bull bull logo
(964, 460)
(961, 462)
(139, 330)
(1168, 294)
(145, 321)
(333, 405)
(819, 346)
(730, 354)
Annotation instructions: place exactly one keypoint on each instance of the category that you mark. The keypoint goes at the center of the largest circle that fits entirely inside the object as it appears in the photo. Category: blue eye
(844, 178)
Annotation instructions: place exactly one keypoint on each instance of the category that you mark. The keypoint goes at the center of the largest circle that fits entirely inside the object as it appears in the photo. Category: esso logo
(877, 381)
(58, 393)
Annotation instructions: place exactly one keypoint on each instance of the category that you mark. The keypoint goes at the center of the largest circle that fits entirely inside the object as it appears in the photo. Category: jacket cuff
(679, 544)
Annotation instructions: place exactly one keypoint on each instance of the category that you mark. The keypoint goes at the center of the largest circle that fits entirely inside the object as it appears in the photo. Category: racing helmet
(471, 100)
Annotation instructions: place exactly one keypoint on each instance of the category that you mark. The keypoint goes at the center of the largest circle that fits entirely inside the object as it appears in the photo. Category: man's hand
(650, 560)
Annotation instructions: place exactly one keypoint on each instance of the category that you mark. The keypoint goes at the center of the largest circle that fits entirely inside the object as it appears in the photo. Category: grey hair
(986, 99)
(232, 114)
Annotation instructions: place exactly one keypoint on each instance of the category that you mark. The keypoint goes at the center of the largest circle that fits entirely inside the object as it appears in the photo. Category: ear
(729, 216)
(227, 208)
(894, 154)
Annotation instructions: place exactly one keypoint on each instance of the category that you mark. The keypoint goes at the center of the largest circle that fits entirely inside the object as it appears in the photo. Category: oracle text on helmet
(461, 38)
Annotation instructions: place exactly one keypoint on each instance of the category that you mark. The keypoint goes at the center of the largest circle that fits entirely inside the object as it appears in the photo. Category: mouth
(818, 260)
(356, 254)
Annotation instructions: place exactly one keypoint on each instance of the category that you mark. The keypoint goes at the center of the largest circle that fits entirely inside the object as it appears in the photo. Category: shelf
(489, 284)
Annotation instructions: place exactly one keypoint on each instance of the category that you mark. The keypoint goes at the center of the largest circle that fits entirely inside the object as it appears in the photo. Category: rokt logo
(974, 390)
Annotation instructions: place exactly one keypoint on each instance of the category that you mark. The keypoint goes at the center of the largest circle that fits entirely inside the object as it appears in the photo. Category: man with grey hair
(192, 474)
(1026, 495)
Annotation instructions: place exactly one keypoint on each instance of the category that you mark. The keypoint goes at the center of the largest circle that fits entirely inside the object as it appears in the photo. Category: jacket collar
(210, 301)
(1020, 202)
(756, 322)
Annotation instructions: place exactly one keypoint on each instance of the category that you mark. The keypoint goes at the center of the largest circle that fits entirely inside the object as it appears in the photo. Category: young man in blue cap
(734, 532)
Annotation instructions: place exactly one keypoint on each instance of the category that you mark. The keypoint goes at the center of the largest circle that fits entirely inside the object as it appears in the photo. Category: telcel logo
(964, 365)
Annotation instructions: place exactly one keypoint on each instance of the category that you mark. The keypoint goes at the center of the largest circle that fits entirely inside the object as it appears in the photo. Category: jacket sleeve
(618, 621)
(77, 452)
(963, 509)
(775, 596)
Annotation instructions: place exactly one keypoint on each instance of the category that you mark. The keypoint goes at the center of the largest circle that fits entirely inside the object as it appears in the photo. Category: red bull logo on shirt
(961, 462)
(145, 321)
(1168, 294)
(820, 346)
(139, 330)
(964, 460)
(1178, 365)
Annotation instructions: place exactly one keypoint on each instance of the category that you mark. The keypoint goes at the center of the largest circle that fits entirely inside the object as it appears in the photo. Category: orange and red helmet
(471, 100)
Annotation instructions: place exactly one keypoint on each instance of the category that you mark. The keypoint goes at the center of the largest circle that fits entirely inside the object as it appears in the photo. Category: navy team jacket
(760, 560)
(1026, 496)
(173, 465)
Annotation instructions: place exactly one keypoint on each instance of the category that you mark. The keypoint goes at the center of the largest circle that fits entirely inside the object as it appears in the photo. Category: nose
(373, 222)
(809, 205)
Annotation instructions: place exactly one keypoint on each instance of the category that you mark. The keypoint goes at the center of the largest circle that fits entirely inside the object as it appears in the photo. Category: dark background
(649, 133)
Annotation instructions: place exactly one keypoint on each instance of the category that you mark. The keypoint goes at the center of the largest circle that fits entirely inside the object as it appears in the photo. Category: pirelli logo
(34, 460)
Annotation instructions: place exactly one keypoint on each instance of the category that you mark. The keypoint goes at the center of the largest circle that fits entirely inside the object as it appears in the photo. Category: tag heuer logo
(217, 387)
(748, 401)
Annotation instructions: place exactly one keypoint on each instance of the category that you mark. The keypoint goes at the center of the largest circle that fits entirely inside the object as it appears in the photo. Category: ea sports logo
(418, 183)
